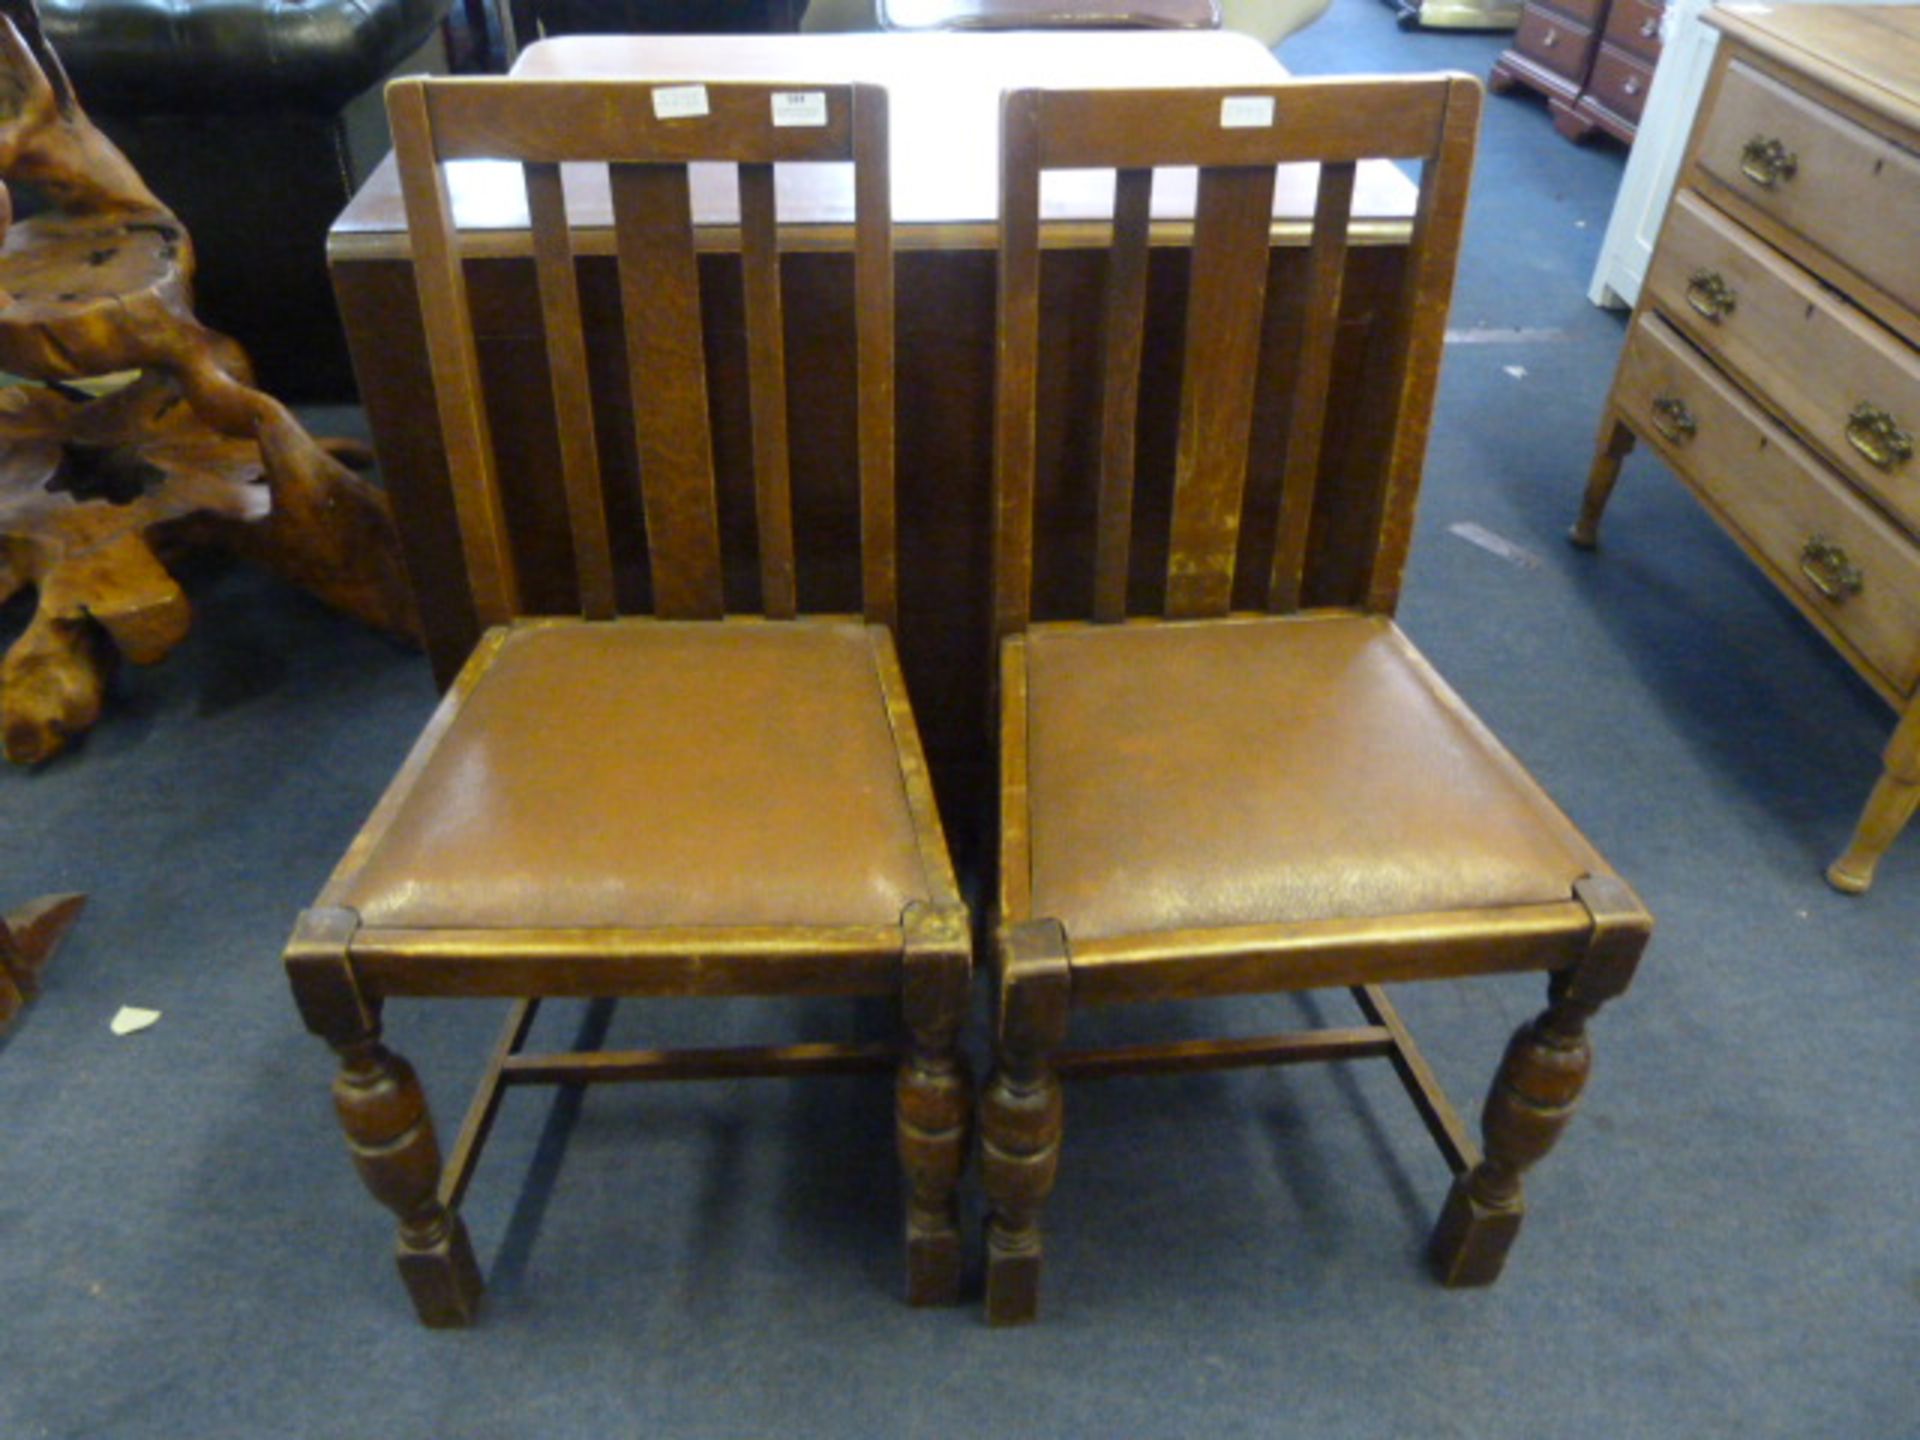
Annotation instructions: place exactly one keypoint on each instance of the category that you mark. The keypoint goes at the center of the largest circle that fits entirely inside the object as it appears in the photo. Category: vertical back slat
(767, 389)
(1232, 220)
(492, 577)
(572, 396)
(1016, 372)
(1126, 308)
(1312, 374)
(874, 366)
(1420, 332)
(666, 359)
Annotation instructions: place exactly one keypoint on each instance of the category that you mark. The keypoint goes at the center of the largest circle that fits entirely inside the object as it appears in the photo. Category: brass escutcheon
(1673, 419)
(1709, 293)
(1832, 573)
(1878, 436)
(1766, 161)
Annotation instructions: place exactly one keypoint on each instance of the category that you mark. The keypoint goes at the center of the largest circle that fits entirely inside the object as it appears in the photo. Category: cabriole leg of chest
(1616, 441)
(1888, 809)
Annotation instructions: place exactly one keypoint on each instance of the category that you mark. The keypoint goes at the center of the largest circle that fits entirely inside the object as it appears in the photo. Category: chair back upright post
(1236, 138)
(647, 135)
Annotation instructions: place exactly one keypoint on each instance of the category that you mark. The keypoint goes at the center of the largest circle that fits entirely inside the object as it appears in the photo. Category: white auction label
(679, 102)
(799, 108)
(1246, 112)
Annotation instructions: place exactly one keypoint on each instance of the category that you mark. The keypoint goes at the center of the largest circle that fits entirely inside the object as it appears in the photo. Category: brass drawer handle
(1630, 85)
(1649, 28)
(1550, 39)
(1673, 419)
(1766, 162)
(1709, 293)
(1878, 436)
(1832, 573)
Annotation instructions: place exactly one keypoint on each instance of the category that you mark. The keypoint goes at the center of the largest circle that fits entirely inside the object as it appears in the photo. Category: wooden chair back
(647, 135)
(1235, 138)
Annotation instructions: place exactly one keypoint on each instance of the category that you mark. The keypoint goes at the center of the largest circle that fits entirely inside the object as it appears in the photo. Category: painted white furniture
(1645, 188)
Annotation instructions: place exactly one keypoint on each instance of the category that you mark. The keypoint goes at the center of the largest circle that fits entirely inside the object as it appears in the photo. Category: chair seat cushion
(645, 773)
(1246, 772)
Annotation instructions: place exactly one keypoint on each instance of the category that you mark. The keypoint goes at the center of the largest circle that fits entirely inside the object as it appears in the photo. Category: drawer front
(1634, 25)
(1551, 40)
(1619, 82)
(1824, 544)
(1584, 13)
(1847, 190)
(1838, 378)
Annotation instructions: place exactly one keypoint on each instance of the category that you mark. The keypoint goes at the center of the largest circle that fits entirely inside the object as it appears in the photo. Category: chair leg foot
(1471, 1239)
(933, 1264)
(443, 1277)
(1013, 1275)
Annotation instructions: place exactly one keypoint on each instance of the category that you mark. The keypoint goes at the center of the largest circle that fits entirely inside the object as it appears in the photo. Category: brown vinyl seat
(1215, 774)
(1224, 769)
(695, 775)
(677, 803)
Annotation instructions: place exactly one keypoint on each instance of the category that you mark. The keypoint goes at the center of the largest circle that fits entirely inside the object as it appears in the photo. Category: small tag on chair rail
(679, 102)
(1246, 112)
(799, 108)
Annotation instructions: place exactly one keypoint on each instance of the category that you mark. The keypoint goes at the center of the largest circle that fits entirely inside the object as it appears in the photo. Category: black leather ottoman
(653, 17)
(232, 110)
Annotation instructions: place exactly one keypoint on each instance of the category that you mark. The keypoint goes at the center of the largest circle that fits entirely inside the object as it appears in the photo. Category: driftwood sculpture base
(95, 493)
(101, 284)
(28, 937)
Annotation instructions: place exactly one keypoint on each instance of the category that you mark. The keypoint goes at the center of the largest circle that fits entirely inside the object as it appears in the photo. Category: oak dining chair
(1215, 780)
(681, 790)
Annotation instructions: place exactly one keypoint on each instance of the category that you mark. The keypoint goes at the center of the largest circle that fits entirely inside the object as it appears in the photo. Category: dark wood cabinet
(1592, 59)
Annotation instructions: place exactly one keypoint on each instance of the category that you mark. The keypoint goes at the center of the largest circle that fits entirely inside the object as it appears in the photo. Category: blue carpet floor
(1724, 1245)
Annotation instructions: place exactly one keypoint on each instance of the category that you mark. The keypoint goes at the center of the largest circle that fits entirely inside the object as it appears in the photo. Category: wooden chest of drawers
(1592, 59)
(1774, 355)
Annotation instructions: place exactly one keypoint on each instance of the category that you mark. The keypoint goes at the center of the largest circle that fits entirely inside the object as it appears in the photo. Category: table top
(944, 97)
(1049, 15)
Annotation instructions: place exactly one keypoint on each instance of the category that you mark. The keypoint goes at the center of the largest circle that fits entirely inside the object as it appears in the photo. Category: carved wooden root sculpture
(28, 938)
(100, 286)
(93, 495)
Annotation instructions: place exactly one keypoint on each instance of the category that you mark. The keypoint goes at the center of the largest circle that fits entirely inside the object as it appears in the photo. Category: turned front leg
(1536, 1091)
(390, 1134)
(1022, 1116)
(1534, 1096)
(389, 1131)
(1888, 809)
(933, 1099)
(1615, 442)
